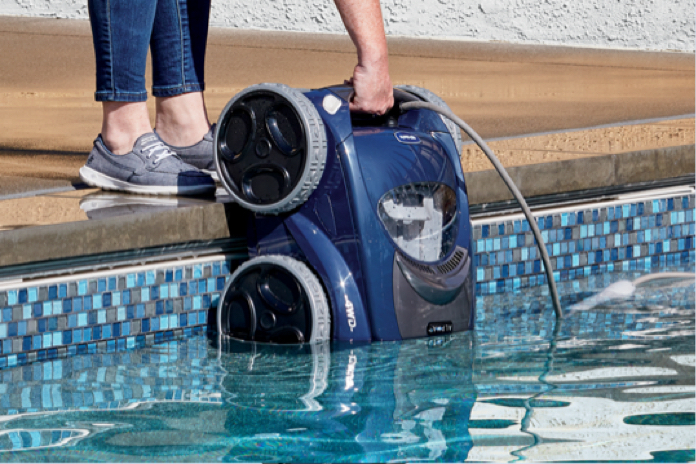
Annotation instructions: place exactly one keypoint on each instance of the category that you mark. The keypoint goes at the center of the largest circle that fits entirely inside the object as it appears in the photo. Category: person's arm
(371, 82)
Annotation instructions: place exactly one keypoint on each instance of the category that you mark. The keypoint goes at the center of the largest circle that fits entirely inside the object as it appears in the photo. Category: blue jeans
(176, 32)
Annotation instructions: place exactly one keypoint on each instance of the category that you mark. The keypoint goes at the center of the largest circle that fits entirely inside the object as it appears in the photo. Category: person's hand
(372, 87)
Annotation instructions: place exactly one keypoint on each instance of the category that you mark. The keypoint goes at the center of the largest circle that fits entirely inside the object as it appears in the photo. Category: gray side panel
(414, 313)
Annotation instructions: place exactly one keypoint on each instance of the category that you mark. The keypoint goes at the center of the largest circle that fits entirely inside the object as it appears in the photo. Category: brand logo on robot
(403, 137)
(350, 314)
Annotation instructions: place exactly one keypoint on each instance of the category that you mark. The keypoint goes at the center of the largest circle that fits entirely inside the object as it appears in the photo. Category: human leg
(178, 46)
(127, 155)
(121, 34)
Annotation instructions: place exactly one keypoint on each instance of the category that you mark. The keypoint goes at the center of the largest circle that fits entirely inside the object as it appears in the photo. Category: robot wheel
(270, 148)
(274, 299)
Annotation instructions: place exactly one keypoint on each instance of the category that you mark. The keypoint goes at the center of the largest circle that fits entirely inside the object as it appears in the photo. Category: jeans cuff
(111, 96)
(171, 91)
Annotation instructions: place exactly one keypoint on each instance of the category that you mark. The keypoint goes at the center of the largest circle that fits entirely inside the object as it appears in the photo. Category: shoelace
(157, 149)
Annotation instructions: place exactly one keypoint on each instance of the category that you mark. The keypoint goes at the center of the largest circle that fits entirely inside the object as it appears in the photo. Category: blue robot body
(386, 228)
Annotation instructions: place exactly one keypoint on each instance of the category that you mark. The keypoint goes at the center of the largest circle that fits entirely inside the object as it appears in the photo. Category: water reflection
(613, 382)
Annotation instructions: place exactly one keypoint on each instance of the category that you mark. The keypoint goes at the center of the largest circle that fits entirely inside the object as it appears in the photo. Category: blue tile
(52, 323)
(12, 330)
(140, 310)
(113, 283)
(154, 292)
(581, 217)
(169, 275)
(183, 289)
(178, 275)
(116, 329)
(159, 307)
(41, 325)
(6, 314)
(670, 204)
(62, 291)
(145, 325)
(67, 337)
(76, 304)
(22, 296)
(485, 231)
(106, 300)
(169, 306)
(96, 332)
(150, 277)
(140, 279)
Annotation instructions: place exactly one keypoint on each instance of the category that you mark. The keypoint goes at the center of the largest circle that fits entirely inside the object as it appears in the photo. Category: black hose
(510, 184)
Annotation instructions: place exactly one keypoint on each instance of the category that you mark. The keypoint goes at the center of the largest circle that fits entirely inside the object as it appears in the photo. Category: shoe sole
(97, 179)
(212, 174)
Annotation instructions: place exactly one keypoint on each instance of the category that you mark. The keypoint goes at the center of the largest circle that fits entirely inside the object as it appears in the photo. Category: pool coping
(211, 223)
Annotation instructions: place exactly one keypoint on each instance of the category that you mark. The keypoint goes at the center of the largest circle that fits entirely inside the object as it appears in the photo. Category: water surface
(614, 382)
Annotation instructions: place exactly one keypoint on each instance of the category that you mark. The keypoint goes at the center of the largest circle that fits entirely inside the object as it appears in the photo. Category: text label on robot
(404, 137)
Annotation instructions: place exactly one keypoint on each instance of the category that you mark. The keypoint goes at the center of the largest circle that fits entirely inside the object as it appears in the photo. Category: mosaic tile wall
(110, 313)
(631, 236)
(117, 312)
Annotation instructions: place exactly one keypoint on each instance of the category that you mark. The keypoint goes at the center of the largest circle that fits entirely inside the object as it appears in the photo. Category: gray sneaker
(199, 155)
(151, 168)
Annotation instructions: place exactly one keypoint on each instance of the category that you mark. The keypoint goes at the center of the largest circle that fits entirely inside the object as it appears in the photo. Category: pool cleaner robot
(359, 226)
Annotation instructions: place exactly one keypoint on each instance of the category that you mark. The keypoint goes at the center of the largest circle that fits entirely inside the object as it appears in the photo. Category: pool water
(613, 382)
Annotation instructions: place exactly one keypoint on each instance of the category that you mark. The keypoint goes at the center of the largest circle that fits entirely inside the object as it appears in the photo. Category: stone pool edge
(216, 221)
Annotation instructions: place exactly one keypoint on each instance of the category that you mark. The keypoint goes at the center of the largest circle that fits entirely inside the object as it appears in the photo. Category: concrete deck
(634, 111)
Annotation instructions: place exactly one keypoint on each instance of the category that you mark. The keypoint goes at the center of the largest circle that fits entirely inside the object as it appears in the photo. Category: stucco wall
(637, 24)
